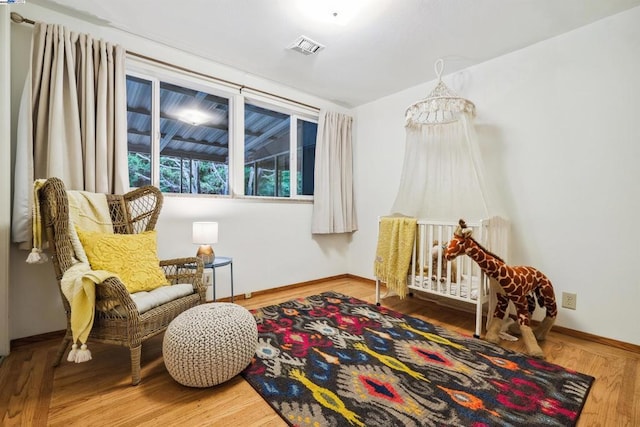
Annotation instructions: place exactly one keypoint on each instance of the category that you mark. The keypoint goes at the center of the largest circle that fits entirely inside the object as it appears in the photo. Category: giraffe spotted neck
(489, 263)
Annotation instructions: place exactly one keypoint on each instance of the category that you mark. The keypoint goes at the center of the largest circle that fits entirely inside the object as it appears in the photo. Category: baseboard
(360, 278)
(596, 338)
(560, 329)
(283, 288)
(54, 335)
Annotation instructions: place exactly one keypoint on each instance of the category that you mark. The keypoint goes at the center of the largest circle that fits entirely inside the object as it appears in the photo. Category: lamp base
(205, 252)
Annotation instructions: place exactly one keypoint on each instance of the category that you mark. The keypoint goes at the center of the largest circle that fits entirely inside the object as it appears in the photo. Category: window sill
(304, 199)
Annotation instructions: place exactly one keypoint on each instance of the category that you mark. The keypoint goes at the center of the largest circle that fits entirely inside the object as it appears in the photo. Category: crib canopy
(443, 175)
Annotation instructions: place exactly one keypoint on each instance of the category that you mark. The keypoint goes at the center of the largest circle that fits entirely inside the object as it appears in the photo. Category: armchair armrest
(112, 293)
(185, 270)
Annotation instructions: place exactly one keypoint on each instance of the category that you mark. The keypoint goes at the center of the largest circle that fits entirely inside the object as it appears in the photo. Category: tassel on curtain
(333, 204)
(72, 122)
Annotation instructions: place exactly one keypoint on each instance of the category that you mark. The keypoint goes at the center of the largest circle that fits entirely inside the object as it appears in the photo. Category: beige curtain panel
(73, 120)
(333, 201)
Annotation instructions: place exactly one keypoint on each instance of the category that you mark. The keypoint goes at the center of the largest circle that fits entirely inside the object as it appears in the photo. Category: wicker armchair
(134, 212)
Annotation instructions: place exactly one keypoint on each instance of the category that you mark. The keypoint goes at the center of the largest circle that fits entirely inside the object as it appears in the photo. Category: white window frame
(295, 113)
(157, 74)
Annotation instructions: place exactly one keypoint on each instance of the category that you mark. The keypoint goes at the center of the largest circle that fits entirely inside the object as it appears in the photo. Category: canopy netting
(443, 176)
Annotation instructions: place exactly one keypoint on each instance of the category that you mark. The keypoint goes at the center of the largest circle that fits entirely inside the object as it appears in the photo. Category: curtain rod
(19, 19)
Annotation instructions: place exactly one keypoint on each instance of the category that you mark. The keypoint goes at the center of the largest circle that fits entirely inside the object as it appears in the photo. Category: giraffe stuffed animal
(517, 284)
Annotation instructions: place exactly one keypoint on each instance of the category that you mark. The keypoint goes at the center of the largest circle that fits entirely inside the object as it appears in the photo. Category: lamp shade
(205, 233)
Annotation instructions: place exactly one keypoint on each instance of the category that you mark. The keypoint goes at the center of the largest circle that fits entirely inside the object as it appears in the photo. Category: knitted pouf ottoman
(209, 344)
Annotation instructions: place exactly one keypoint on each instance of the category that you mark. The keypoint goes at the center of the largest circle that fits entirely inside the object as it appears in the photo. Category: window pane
(283, 176)
(186, 174)
(212, 177)
(266, 177)
(307, 132)
(194, 130)
(139, 131)
(249, 179)
(170, 174)
(267, 140)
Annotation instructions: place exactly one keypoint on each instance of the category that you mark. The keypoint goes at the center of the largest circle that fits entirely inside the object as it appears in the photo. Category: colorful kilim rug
(334, 360)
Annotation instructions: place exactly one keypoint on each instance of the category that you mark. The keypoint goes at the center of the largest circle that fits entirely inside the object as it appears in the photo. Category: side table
(220, 261)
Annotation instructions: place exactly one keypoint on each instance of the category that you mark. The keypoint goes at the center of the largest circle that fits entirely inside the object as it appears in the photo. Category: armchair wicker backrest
(134, 212)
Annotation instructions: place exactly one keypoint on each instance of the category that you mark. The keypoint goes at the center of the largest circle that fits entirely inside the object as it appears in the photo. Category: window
(180, 130)
(139, 131)
(270, 138)
(192, 137)
(306, 143)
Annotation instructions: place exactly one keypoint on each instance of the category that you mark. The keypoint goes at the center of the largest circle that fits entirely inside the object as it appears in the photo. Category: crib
(430, 273)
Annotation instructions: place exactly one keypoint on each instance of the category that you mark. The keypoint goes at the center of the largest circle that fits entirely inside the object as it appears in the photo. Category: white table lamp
(204, 234)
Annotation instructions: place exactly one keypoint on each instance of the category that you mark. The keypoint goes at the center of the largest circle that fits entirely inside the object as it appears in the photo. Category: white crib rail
(460, 279)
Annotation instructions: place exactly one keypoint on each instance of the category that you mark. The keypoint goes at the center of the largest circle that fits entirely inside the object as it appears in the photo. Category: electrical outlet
(247, 295)
(569, 300)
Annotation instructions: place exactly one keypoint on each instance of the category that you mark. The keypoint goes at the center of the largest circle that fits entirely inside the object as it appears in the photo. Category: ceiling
(386, 45)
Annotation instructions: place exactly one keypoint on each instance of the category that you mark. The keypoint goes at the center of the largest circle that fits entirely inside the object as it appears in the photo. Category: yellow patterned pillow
(133, 257)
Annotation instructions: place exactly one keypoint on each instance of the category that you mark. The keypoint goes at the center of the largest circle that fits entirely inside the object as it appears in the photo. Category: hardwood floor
(98, 393)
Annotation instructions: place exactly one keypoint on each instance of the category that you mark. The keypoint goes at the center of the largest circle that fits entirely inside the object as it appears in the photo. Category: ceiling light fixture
(194, 117)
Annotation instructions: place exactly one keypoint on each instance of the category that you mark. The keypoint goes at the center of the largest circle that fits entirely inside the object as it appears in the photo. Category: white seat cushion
(146, 300)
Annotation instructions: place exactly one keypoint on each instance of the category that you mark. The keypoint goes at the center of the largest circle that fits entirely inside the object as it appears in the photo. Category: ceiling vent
(306, 46)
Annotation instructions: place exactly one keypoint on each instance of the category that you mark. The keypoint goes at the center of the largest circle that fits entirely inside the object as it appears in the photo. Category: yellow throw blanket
(90, 212)
(393, 255)
(36, 256)
(79, 287)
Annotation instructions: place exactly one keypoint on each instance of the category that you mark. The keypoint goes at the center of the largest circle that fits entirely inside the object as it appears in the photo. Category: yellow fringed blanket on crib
(393, 255)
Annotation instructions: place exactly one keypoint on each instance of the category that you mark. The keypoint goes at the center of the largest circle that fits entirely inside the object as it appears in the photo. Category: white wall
(270, 242)
(558, 130)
